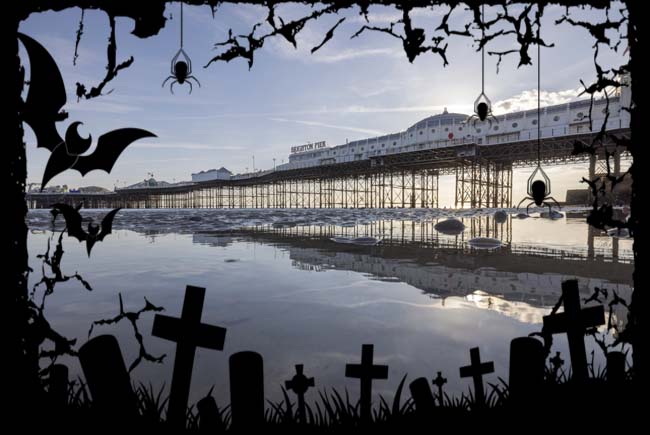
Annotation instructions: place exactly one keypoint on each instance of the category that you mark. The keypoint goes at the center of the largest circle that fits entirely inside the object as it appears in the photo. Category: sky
(350, 89)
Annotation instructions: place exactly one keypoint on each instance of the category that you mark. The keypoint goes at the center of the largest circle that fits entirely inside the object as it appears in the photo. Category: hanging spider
(482, 111)
(539, 191)
(181, 70)
(482, 104)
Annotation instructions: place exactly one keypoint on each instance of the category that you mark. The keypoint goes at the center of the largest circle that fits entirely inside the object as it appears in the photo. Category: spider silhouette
(482, 111)
(539, 191)
(181, 70)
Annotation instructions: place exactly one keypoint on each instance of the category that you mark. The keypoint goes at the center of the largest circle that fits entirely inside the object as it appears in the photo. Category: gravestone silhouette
(299, 384)
(366, 372)
(189, 333)
(246, 390)
(439, 381)
(58, 385)
(476, 370)
(422, 396)
(616, 367)
(527, 358)
(107, 378)
(209, 420)
(574, 321)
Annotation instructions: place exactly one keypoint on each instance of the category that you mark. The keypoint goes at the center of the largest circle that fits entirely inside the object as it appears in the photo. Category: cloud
(348, 54)
(403, 109)
(332, 52)
(63, 49)
(171, 160)
(249, 15)
(374, 88)
(101, 106)
(186, 146)
(527, 100)
(350, 109)
(337, 127)
(392, 15)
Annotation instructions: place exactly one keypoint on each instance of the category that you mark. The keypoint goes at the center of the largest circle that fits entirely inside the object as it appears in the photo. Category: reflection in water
(535, 236)
(521, 283)
(294, 295)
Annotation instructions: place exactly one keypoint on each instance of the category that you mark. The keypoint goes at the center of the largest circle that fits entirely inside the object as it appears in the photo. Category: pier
(483, 177)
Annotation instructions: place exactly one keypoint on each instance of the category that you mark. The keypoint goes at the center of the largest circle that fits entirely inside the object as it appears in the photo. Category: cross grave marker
(439, 382)
(189, 333)
(299, 384)
(574, 321)
(476, 370)
(366, 372)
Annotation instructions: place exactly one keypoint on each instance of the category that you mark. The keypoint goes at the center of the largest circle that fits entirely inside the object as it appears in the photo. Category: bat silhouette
(73, 224)
(42, 110)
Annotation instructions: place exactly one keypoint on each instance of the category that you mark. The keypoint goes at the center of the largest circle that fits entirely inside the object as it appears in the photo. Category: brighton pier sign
(308, 147)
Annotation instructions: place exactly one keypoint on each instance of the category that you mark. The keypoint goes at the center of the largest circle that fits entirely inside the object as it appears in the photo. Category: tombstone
(573, 321)
(246, 390)
(422, 396)
(616, 367)
(299, 384)
(107, 378)
(527, 359)
(439, 381)
(476, 370)
(209, 419)
(189, 333)
(366, 372)
(58, 385)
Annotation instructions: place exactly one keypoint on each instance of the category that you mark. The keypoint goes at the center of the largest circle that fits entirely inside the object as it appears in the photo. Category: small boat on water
(551, 215)
(450, 227)
(284, 224)
(366, 241)
(485, 243)
(500, 216)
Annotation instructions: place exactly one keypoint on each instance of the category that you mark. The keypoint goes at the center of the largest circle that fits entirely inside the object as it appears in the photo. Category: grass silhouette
(331, 410)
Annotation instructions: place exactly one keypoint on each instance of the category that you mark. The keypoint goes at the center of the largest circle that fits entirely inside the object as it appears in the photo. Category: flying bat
(73, 224)
(43, 109)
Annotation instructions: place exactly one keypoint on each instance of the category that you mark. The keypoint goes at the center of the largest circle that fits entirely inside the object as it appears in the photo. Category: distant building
(212, 174)
(577, 197)
(151, 182)
(620, 195)
(93, 189)
(452, 129)
(51, 189)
